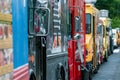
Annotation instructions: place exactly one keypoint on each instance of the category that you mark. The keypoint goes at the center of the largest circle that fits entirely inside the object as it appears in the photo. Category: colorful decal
(6, 51)
(5, 6)
(57, 27)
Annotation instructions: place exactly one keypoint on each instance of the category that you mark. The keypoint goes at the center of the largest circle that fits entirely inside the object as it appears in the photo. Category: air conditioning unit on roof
(91, 1)
(103, 13)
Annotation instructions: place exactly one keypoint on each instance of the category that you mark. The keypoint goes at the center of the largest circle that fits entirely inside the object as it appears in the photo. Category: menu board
(6, 51)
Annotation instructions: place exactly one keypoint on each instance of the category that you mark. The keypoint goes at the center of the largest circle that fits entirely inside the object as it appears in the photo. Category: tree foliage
(114, 10)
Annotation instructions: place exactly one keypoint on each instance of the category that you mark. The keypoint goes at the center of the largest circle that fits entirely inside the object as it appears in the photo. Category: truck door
(38, 29)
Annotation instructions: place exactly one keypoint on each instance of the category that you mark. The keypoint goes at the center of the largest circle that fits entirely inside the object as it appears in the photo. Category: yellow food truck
(105, 39)
(92, 44)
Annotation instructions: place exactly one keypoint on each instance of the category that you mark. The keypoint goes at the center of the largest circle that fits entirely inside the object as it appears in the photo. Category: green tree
(113, 6)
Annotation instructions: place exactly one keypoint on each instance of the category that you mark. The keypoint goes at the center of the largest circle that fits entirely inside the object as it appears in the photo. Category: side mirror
(77, 36)
(42, 21)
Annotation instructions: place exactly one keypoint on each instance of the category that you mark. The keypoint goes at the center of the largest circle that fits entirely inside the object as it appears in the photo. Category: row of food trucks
(52, 40)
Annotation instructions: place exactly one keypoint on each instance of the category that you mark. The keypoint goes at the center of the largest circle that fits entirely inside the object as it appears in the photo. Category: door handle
(43, 41)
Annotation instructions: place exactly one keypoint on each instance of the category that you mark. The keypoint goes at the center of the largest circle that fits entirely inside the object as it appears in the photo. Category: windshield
(88, 23)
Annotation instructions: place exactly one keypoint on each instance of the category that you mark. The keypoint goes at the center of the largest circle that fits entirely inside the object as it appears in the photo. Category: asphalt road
(110, 70)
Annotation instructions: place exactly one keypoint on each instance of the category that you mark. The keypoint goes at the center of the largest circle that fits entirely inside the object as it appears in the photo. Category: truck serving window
(88, 23)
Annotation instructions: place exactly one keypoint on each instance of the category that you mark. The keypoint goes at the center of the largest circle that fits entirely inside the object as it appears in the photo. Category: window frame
(88, 24)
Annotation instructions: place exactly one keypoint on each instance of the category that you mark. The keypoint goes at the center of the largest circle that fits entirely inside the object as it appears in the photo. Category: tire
(32, 77)
(60, 74)
(106, 57)
(111, 51)
(90, 75)
(98, 66)
(85, 74)
(96, 70)
(90, 72)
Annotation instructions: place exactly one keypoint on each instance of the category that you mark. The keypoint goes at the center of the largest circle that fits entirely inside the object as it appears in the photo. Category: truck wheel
(112, 51)
(60, 73)
(106, 57)
(96, 70)
(32, 77)
(90, 71)
(90, 75)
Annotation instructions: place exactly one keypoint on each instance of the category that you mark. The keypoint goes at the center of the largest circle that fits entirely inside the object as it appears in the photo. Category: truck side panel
(20, 39)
